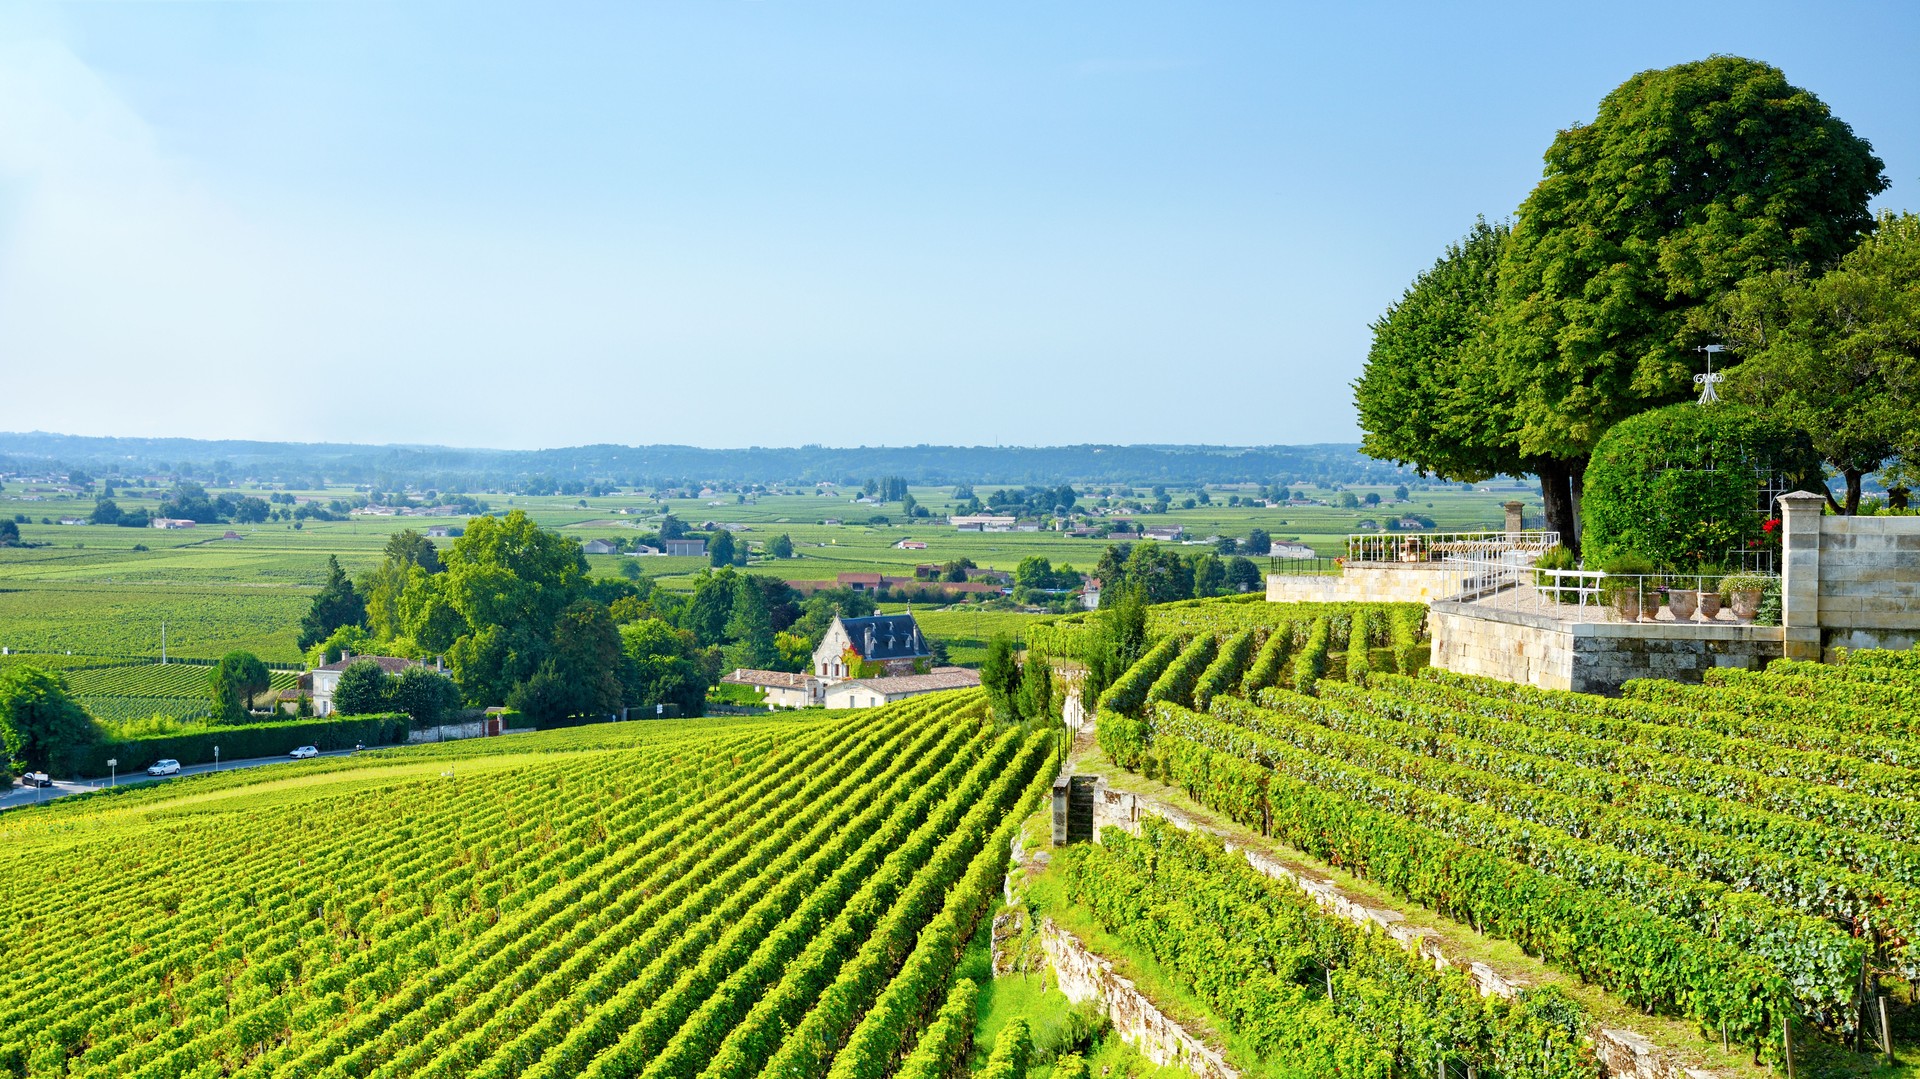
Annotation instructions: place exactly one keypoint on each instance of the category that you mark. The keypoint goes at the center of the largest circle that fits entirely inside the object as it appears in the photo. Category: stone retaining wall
(1590, 657)
(1082, 975)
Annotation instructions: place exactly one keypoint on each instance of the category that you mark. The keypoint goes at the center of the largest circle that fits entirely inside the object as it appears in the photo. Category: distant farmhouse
(861, 663)
(598, 546)
(685, 548)
(172, 523)
(326, 679)
(982, 522)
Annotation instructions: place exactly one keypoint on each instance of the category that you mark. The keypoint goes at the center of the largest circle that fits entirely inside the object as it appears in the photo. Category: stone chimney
(1514, 523)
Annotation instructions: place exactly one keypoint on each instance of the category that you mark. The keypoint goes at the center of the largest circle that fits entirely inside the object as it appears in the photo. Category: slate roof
(389, 664)
(886, 636)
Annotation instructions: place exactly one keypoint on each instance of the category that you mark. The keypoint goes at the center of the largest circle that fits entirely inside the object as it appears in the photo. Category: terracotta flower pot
(1709, 605)
(1626, 604)
(1746, 603)
(1681, 601)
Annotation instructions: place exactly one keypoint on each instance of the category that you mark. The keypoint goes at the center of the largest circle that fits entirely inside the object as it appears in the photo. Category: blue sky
(778, 223)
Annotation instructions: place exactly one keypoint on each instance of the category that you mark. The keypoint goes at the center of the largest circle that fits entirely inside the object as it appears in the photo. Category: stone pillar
(1800, 513)
(1513, 516)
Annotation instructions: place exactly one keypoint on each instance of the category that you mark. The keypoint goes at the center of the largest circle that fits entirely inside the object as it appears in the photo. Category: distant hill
(448, 468)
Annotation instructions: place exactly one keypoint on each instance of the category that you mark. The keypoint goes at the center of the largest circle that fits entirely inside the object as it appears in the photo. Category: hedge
(1676, 485)
(245, 740)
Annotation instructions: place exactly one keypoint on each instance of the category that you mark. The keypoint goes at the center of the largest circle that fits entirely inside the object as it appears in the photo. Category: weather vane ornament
(1708, 381)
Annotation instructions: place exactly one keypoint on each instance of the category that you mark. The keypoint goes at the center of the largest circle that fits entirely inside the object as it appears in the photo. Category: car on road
(303, 753)
(164, 767)
(36, 779)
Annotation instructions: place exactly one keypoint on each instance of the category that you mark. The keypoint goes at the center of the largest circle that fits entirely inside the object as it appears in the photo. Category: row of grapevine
(671, 898)
(1308, 991)
(1588, 928)
(1389, 625)
(156, 680)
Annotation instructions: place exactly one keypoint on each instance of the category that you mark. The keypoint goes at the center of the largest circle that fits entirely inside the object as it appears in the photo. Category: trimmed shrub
(1311, 663)
(1679, 485)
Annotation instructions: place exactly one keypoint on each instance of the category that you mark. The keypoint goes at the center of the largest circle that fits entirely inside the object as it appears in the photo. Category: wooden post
(1440, 1068)
(1886, 1031)
(1786, 1039)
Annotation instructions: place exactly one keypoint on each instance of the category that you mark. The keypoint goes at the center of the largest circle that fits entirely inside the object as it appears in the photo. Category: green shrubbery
(1680, 485)
(240, 741)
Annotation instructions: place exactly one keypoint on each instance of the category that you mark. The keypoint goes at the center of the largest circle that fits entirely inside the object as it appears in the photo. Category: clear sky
(734, 224)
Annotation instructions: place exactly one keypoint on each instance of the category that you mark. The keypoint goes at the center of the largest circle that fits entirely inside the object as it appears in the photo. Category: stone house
(325, 679)
(893, 641)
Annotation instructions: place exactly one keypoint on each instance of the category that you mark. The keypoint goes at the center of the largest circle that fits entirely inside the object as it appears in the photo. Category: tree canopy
(1838, 354)
(40, 724)
(336, 605)
(1517, 351)
(234, 683)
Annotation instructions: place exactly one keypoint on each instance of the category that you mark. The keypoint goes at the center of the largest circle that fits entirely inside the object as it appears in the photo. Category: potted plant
(1626, 585)
(1682, 600)
(1709, 594)
(1743, 592)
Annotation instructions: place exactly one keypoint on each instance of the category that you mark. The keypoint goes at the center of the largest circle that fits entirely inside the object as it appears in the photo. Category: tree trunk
(1853, 490)
(1556, 490)
(1832, 502)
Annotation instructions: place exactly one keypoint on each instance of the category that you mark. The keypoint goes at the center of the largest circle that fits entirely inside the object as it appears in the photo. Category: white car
(303, 753)
(164, 767)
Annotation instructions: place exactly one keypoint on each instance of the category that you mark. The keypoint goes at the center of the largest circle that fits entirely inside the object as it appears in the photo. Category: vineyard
(1742, 856)
(707, 898)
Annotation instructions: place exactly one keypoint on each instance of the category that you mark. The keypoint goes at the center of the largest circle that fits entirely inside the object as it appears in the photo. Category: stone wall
(1369, 582)
(1590, 657)
(1082, 975)
(1850, 582)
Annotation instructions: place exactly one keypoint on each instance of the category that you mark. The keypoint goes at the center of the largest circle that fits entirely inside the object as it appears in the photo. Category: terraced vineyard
(706, 898)
(1743, 855)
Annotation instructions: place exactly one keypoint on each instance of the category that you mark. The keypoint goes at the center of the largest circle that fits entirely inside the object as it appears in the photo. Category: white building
(326, 679)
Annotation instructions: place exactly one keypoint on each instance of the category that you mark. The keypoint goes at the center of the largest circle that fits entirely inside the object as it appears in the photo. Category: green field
(88, 591)
(662, 898)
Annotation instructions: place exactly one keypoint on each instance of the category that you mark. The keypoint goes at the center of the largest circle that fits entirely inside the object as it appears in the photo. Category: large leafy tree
(1838, 354)
(235, 682)
(1517, 351)
(426, 695)
(40, 725)
(336, 605)
(663, 670)
(1430, 395)
(581, 674)
(506, 582)
(750, 627)
(364, 689)
(1690, 179)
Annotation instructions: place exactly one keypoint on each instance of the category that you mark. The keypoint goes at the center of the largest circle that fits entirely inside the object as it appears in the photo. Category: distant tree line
(520, 621)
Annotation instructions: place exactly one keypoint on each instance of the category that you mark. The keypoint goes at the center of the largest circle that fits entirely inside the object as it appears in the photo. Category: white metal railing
(1575, 595)
(1448, 546)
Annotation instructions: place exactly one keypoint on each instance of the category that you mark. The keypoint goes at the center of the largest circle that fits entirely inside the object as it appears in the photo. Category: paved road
(20, 795)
